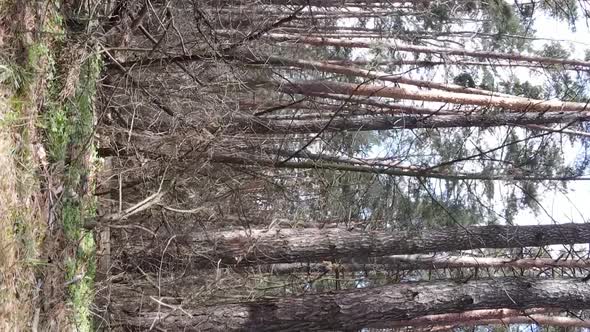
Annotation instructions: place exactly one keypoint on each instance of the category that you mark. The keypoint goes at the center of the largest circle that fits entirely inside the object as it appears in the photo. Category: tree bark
(426, 262)
(266, 59)
(317, 3)
(473, 316)
(427, 63)
(442, 262)
(241, 248)
(356, 309)
(315, 41)
(543, 320)
(557, 130)
(259, 125)
(360, 72)
(362, 106)
(514, 104)
(241, 159)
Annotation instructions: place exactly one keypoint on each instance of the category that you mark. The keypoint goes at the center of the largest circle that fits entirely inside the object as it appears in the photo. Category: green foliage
(527, 89)
(464, 79)
(75, 209)
(82, 291)
(12, 75)
(380, 201)
(58, 130)
(395, 202)
(439, 15)
(488, 80)
(54, 25)
(567, 88)
(502, 21)
(511, 208)
(55, 119)
(502, 17)
(68, 131)
(554, 50)
(530, 196)
(563, 85)
(540, 157)
(37, 54)
(524, 89)
(563, 10)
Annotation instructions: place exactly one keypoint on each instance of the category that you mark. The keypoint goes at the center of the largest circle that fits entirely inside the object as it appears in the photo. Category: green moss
(38, 53)
(13, 117)
(78, 127)
(82, 291)
(57, 126)
(55, 27)
(69, 127)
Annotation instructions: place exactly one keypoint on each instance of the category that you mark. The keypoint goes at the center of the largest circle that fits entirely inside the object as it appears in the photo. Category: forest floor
(47, 88)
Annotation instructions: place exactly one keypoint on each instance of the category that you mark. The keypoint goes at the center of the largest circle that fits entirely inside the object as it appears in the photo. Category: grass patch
(20, 237)
(69, 131)
(21, 220)
(33, 109)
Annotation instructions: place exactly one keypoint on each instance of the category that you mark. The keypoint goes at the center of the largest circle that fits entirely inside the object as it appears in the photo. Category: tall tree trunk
(241, 159)
(355, 309)
(476, 316)
(259, 125)
(514, 104)
(426, 262)
(360, 72)
(558, 130)
(316, 245)
(543, 320)
(428, 63)
(317, 3)
(266, 59)
(442, 262)
(425, 49)
(377, 105)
